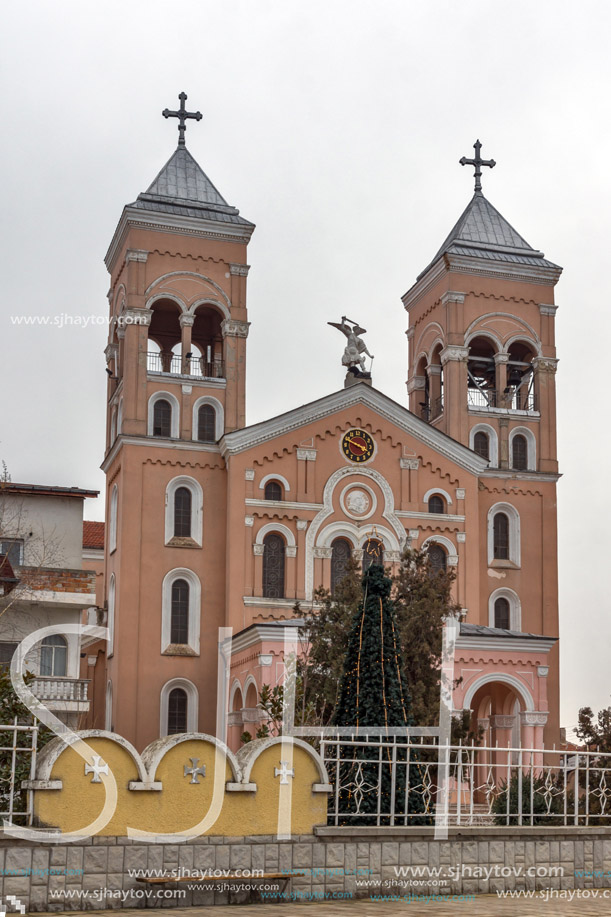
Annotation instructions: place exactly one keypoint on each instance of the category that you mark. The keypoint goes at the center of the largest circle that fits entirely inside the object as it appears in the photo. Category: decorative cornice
(409, 464)
(453, 352)
(416, 384)
(524, 643)
(239, 270)
(175, 224)
(135, 254)
(534, 717)
(481, 267)
(547, 308)
(452, 296)
(156, 442)
(307, 455)
(325, 553)
(501, 721)
(356, 395)
(135, 317)
(545, 364)
(230, 327)
(282, 504)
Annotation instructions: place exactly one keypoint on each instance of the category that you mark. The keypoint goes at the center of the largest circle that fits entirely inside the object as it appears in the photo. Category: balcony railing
(54, 688)
(433, 409)
(513, 400)
(192, 366)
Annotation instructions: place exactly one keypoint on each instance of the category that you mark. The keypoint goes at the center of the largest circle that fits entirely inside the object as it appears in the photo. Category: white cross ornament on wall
(194, 770)
(98, 767)
(283, 772)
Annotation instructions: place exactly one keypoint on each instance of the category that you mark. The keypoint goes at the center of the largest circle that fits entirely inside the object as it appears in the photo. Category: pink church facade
(215, 524)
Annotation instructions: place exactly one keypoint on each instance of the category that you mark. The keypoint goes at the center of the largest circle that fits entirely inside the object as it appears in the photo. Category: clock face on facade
(358, 446)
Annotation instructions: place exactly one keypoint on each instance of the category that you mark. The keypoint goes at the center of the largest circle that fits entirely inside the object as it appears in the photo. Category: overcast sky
(336, 127)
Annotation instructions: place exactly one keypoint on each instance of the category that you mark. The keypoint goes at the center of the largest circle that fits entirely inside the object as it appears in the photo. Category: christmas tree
(373, 693)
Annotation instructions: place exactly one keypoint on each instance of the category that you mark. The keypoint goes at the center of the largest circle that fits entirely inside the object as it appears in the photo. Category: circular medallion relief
(358, 446)
(358, 502)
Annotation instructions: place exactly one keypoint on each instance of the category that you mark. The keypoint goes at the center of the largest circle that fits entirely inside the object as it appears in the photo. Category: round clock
(358, 446)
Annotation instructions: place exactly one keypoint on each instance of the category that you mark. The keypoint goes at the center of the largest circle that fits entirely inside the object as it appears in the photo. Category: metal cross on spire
(478, 162)
(182, 114)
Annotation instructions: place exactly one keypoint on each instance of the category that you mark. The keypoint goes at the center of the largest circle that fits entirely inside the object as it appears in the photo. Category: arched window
(111, 614)
(274, 551)
(177, 711)
(182, 512)
(501, 536)
(341, 550)
(206, 424)
(519, 452)
(501, 614)
(481, 444)
(438, 559)
(273, 490)
(373, 553)
(162, 418)
(179, 622)
(54, 656)
(436, 504)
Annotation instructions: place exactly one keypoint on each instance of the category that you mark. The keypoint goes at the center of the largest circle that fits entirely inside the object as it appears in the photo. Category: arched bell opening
(519, 391)
(481, 374)
(164, 335)
(207, 358)
(435, 376)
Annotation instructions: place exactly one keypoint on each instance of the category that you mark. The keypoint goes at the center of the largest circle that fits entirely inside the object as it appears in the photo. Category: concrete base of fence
(101, 872)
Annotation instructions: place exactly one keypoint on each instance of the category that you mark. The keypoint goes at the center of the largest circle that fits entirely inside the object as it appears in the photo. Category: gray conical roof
(182, 187)
(482, 232)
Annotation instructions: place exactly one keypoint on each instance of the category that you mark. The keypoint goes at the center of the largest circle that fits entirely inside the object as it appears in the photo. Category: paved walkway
(482, 906)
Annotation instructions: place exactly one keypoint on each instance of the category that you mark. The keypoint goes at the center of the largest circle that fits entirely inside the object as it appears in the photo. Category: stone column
(545, 403)
(454, 360)
(249, 585)
(133, 341)
(415, 392)
(536, 720)
(322, 556)
(409, 483)
(234, 351)
(503, 442)
(186, 324)
(257, 550)
(306, 482)
(502, 726)
(500, 362)
(302, 526)
(290, 584)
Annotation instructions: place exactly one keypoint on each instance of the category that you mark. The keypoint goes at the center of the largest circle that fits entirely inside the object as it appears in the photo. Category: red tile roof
(93, 534)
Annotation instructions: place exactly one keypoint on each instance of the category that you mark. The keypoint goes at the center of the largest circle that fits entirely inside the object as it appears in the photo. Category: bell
(514, 377)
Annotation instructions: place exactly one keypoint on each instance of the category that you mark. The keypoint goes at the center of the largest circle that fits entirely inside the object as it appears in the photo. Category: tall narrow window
(341, 549)
(162, 418)
(519, 452)
(436, 504)
(54, 656)
(206, 424)
(373, 553)
(273, 490)
(438, 559)
(481, 444)
(179, 623)
(6, 654)
(182, 512)
(273, 566)
(177, 711)
(501, 614)
(501, 536)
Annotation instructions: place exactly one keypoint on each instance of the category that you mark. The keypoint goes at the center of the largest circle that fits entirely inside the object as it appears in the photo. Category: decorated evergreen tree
(373, 693)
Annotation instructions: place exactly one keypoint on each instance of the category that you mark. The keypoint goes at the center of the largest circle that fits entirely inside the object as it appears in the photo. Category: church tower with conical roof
(482, 364)
(176, 361)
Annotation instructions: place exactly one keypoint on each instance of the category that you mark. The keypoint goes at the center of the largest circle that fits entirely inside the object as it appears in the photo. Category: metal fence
(191, 366)
(18, 745)
(512, 400)
(401, 782)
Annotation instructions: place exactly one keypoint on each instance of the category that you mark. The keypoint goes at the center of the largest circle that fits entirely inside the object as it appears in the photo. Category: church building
(216, 524)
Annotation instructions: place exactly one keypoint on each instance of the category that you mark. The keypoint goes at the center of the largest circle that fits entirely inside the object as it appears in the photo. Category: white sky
(336, 127)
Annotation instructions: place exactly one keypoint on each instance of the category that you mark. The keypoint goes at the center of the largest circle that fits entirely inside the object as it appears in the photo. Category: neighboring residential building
(213, 523)
(93, 651)
(42, 560)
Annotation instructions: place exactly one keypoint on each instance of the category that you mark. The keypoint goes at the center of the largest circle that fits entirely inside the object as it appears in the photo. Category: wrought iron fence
(401, 782)
(18, 745)
(191, 366)
(512, 400)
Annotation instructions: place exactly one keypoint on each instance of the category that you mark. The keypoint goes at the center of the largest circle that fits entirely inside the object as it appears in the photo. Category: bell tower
(176, 362)
(482, 354)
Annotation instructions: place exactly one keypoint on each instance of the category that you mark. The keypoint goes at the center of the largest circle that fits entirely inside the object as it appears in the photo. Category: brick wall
(55, 579)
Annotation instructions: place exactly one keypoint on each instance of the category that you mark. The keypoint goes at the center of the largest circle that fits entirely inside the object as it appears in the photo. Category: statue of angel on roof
(356, 348)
